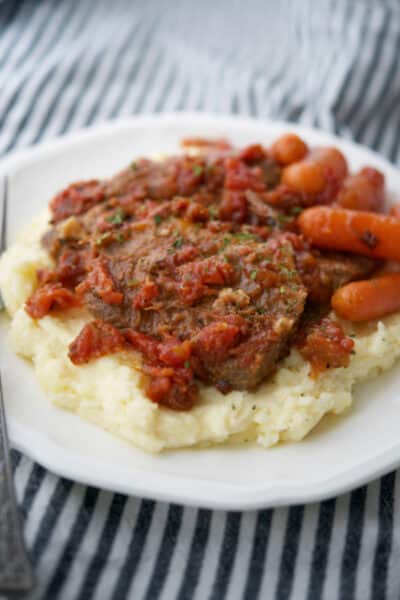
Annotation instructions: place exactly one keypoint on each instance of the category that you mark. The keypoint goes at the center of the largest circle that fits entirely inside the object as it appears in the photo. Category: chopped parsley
(244, 236)
(282, 289)
(296, 210)
(212, 212)
(117, 218)
(187, 364)
(102, 238)
(198, 170)
(290, 304)
(253, 274)
(178, 243)
(225, 243)
(157, 219)
(286, 249)
(288, 272)
(119, 237)
(284, 218)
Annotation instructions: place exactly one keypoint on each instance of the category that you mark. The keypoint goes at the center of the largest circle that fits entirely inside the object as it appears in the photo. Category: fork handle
(16, 575)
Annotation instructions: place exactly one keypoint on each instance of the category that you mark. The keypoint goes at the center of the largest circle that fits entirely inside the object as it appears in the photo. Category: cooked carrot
(395, 211)
(315, 171)
(288, 148)
(370, 299)
(364, 190)
(332, 161)
(305, 176)
(365, 233)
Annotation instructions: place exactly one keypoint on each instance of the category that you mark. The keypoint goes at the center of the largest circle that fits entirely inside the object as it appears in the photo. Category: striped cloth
(333, 64)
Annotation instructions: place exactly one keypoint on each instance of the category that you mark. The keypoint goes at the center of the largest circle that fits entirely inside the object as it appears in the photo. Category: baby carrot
(395, 211)
(370, 299)
(362, 232)
(364, 190)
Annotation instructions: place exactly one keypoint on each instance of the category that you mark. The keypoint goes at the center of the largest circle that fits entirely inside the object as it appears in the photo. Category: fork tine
(3, 222)
(3, 209)
(16, 574)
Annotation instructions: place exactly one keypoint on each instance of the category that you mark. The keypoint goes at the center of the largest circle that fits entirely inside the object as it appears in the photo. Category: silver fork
(3, 222)
(16, 574)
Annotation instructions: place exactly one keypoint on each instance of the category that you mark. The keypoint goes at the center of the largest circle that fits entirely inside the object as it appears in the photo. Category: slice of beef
(337, 269)
(237, 300)
(323, 273)
(68, 232)
(248, 363)
(76, 199)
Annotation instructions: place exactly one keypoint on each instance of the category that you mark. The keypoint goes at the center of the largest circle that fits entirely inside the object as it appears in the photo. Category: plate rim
(255, 496)
(19, 156)
(226, 496)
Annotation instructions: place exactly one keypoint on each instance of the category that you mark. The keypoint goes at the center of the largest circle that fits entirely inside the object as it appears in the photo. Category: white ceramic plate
(340, 454)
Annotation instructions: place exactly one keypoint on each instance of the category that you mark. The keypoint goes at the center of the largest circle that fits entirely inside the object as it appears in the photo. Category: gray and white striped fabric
(332, 63)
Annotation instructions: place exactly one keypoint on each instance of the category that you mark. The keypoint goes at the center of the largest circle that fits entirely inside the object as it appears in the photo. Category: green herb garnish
(288, 272)
(225, 243)
(157, 219)
(198, 170)
(178, 243)
(119, 237)
(244, 236)
(296, 210)
(212, 211)
(102, 238)
(187, 364)
(117, 218)
(253, 274)
(284, 218)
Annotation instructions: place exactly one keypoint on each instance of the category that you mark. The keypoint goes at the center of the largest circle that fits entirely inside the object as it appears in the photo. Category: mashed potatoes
(108, 391)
